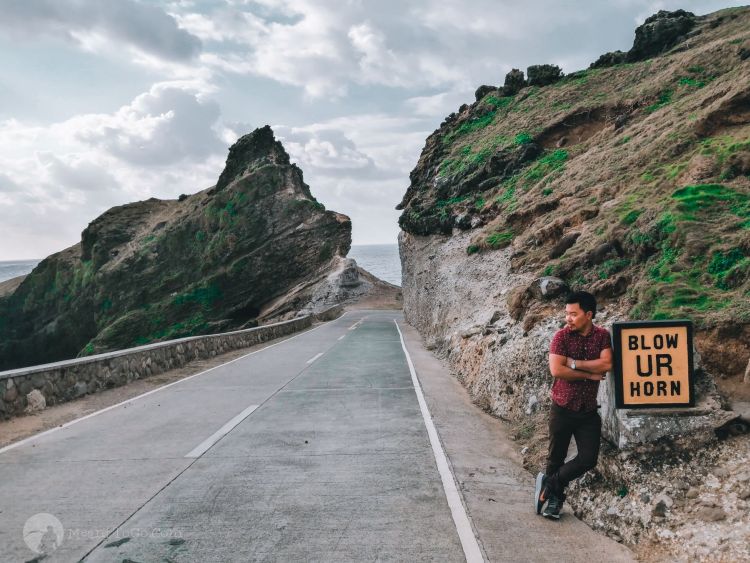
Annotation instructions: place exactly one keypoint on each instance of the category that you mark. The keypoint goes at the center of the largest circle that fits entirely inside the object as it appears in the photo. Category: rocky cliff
(630, 179)
(154, 269)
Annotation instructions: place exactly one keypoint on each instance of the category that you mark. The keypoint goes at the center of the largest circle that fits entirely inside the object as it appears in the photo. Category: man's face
(576, 318)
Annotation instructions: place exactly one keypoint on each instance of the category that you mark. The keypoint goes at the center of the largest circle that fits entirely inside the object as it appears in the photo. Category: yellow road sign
(653, 364)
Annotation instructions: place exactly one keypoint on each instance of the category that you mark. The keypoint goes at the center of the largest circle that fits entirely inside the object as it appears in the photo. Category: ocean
(14, 268)
(381, 260)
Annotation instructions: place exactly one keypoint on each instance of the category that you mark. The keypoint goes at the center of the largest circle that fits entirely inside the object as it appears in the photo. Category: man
(580, 355)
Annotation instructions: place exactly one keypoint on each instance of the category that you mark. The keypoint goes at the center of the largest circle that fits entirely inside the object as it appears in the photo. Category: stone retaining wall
(330, 313)
(32, 388)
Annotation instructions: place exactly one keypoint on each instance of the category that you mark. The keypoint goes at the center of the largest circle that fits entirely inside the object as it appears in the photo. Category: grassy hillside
(632, 180)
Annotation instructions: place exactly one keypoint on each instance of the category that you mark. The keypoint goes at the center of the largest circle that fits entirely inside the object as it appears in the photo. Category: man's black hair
(585, 301)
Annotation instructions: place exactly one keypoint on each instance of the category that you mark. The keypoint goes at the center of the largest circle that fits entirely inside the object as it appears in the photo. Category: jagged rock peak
(250, 151)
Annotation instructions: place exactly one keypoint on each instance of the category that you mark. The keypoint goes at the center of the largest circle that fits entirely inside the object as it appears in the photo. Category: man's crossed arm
(593, 370)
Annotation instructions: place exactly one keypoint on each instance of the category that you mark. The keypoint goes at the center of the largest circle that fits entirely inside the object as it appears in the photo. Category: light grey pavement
(332, 463)
(496, 490)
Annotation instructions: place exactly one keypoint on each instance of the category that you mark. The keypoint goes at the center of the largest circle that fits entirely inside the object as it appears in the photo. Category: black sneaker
(541, 479)
(554, 506)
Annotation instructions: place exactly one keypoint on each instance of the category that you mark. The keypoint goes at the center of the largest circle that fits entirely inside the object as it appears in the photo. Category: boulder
(35, 402)
(738, 164)
(548, 287)
(659, 33)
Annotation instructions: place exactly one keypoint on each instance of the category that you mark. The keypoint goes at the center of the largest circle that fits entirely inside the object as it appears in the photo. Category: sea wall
(33, 388)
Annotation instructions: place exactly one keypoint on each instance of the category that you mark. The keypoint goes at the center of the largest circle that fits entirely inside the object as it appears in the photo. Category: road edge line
(469, 543)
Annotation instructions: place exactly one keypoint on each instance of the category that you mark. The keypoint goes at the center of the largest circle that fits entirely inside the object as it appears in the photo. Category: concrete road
(318, 448)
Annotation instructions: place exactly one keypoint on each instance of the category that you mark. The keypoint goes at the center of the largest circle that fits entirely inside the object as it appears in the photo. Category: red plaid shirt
(578, 395)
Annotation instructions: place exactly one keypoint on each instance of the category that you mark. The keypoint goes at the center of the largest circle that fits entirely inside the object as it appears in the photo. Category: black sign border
(617, 362)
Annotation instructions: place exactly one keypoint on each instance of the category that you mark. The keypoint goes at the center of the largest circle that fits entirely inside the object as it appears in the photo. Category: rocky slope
(630, 179)
(154, 269)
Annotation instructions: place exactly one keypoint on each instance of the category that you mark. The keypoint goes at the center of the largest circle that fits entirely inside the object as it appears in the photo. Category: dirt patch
(731, 113)
(580, 126)
(725, 350)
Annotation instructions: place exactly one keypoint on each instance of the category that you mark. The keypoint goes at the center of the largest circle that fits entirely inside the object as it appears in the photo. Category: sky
(108, 102)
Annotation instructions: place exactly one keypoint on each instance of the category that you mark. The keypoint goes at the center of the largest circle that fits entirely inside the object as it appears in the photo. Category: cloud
(159, 128)
(328, 48)
(436, 105)
(359, 165)
(77, 173)
(58, 178)
(376, 81)
(92, 23)
(327, 151)
(358, 147)
(7, 185)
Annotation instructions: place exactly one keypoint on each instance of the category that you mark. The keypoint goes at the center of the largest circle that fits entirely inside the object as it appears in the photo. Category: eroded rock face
(459, 305)
(154, 269)
(495, 326)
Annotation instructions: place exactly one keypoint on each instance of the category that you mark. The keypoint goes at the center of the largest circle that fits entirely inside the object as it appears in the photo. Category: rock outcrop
(657, 34)
(626, 181)
(160, 269)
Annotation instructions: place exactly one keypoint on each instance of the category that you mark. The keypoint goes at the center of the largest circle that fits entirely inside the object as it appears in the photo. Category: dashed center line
(342, 336)
(201, 448)
(359, 322)
(315, 357)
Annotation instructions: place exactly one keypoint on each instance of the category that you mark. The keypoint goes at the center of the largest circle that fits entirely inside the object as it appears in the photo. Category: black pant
(564, 423)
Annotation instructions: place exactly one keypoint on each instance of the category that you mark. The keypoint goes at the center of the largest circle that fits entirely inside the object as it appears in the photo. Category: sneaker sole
(538, 504)
(551, 516)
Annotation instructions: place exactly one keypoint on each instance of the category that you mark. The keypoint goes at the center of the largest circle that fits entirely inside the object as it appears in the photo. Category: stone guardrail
(33, 388)
(330, 313)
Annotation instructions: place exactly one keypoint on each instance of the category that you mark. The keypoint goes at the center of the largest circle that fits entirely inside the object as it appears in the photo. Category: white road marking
(359, 322)
(315, 357)
(77, 420)
(201, 448)
(472, 552)
(342, 336)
